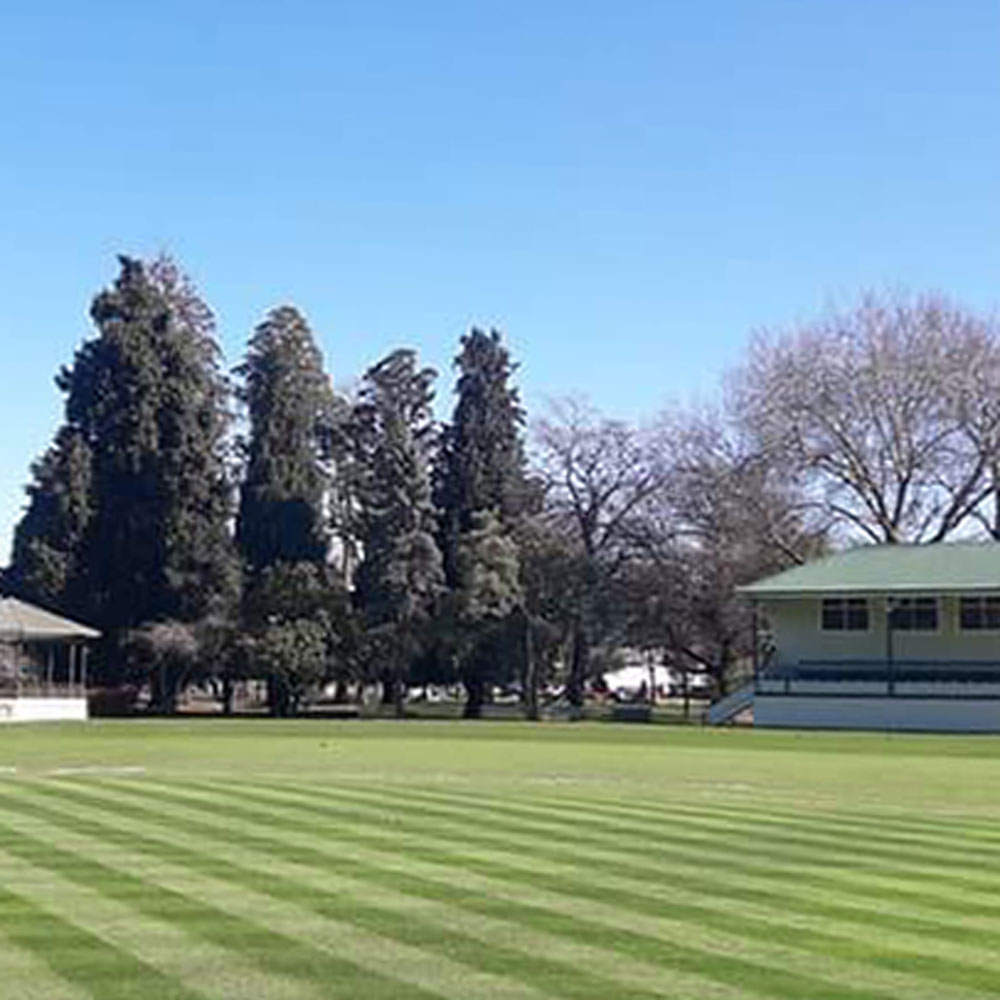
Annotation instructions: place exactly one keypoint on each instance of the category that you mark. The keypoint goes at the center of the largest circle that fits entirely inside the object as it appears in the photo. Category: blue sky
(625, 188)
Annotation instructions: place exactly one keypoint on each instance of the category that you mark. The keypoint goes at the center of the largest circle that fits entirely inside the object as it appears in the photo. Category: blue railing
(896, 677)
(978, 671)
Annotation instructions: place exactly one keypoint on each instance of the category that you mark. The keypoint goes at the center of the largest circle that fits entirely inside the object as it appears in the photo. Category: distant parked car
(506, 694)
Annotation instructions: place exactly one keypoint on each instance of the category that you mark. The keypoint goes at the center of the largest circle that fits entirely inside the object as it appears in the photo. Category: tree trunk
(995, 532)
(227, 696)
(475, 695)
(399, 699)
(388, 687)
(578, 669)
(398, 688)
(165, 683)
(725, 660)
(277, 696)
(157, 683)
(530, 681)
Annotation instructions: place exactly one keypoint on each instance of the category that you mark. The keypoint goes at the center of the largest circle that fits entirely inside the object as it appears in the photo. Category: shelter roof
(946, 567)
(23, 622)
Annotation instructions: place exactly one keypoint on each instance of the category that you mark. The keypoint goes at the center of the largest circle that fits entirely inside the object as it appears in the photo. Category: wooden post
(83, 669)
(50, 657)
(889, 652)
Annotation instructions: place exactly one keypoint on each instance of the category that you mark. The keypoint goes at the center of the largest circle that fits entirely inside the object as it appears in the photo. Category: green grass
(292, 861)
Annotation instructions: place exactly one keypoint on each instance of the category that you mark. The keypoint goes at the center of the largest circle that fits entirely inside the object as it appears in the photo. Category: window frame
(980, 599)
(893, 608)
(845, 602)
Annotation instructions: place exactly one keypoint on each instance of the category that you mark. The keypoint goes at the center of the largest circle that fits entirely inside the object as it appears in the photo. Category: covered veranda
(882, 637)
(43, 658)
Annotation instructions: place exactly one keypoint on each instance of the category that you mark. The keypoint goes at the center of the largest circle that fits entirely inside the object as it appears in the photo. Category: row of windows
(910, 614)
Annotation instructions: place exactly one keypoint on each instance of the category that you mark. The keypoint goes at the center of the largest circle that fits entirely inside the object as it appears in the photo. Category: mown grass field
(291, 861)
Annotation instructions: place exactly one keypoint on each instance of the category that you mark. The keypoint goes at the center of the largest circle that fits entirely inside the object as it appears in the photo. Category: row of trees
(323, 538)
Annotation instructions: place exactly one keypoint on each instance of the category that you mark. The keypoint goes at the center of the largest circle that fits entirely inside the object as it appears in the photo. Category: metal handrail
(882, 670)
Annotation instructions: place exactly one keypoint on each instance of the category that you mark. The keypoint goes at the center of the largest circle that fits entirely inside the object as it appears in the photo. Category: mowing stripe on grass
(102, 862)
(183, 955)
(851, 864)
(80, 957)
(26, 976)
(858, 894)
(973, 825)
(386, 828)
(930, 863)
(513, 950)
(277, 953)
(959, 842)
(684, 879)
(950, 971)
(956, 963)
(897, 983)
(804, 832)
(216, 867)
(890, 828)
(773, 981)
(139, 898)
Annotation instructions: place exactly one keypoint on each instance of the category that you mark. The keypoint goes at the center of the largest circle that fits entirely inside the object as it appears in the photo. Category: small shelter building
(43, 664)
(882, 637)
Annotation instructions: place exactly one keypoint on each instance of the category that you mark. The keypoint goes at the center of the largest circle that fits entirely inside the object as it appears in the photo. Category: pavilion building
(43, 664)
(892, 637)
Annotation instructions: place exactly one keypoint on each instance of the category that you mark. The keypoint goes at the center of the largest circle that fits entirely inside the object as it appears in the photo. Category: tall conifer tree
(133, 500)
(290, 407)
(289, 590)
(481, 466)
(128, 521)
(400, 576)
(480, 487)
(49, 539)
(148, 399)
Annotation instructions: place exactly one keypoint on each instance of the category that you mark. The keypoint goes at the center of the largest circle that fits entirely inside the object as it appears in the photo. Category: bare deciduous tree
(888, 414)
(724, 516)
(597, 473)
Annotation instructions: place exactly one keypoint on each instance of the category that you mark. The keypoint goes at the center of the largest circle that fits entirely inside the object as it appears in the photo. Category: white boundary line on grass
(62, 772)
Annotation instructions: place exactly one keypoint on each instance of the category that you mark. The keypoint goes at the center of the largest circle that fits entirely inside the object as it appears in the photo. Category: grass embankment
(271, 860)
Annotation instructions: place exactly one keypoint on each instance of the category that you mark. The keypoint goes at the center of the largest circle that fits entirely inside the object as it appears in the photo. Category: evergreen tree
(202, 568)
(128, 518)
(486, 595)
(49, 540)
(290, 593)
(481, 480)
(290, 406)
(147, 399)
(289, 600)
(400, 577)
(481, 466)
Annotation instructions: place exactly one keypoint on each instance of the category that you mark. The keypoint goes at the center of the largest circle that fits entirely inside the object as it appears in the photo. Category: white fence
(942, 715)
(43, 709)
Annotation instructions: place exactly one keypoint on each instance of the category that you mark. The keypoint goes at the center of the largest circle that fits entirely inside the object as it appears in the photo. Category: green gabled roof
(948, 567)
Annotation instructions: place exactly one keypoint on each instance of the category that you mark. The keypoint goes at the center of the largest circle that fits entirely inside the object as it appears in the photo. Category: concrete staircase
(726, 709)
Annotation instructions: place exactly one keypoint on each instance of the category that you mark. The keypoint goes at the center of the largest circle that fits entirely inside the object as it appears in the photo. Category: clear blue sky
(626, 188)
